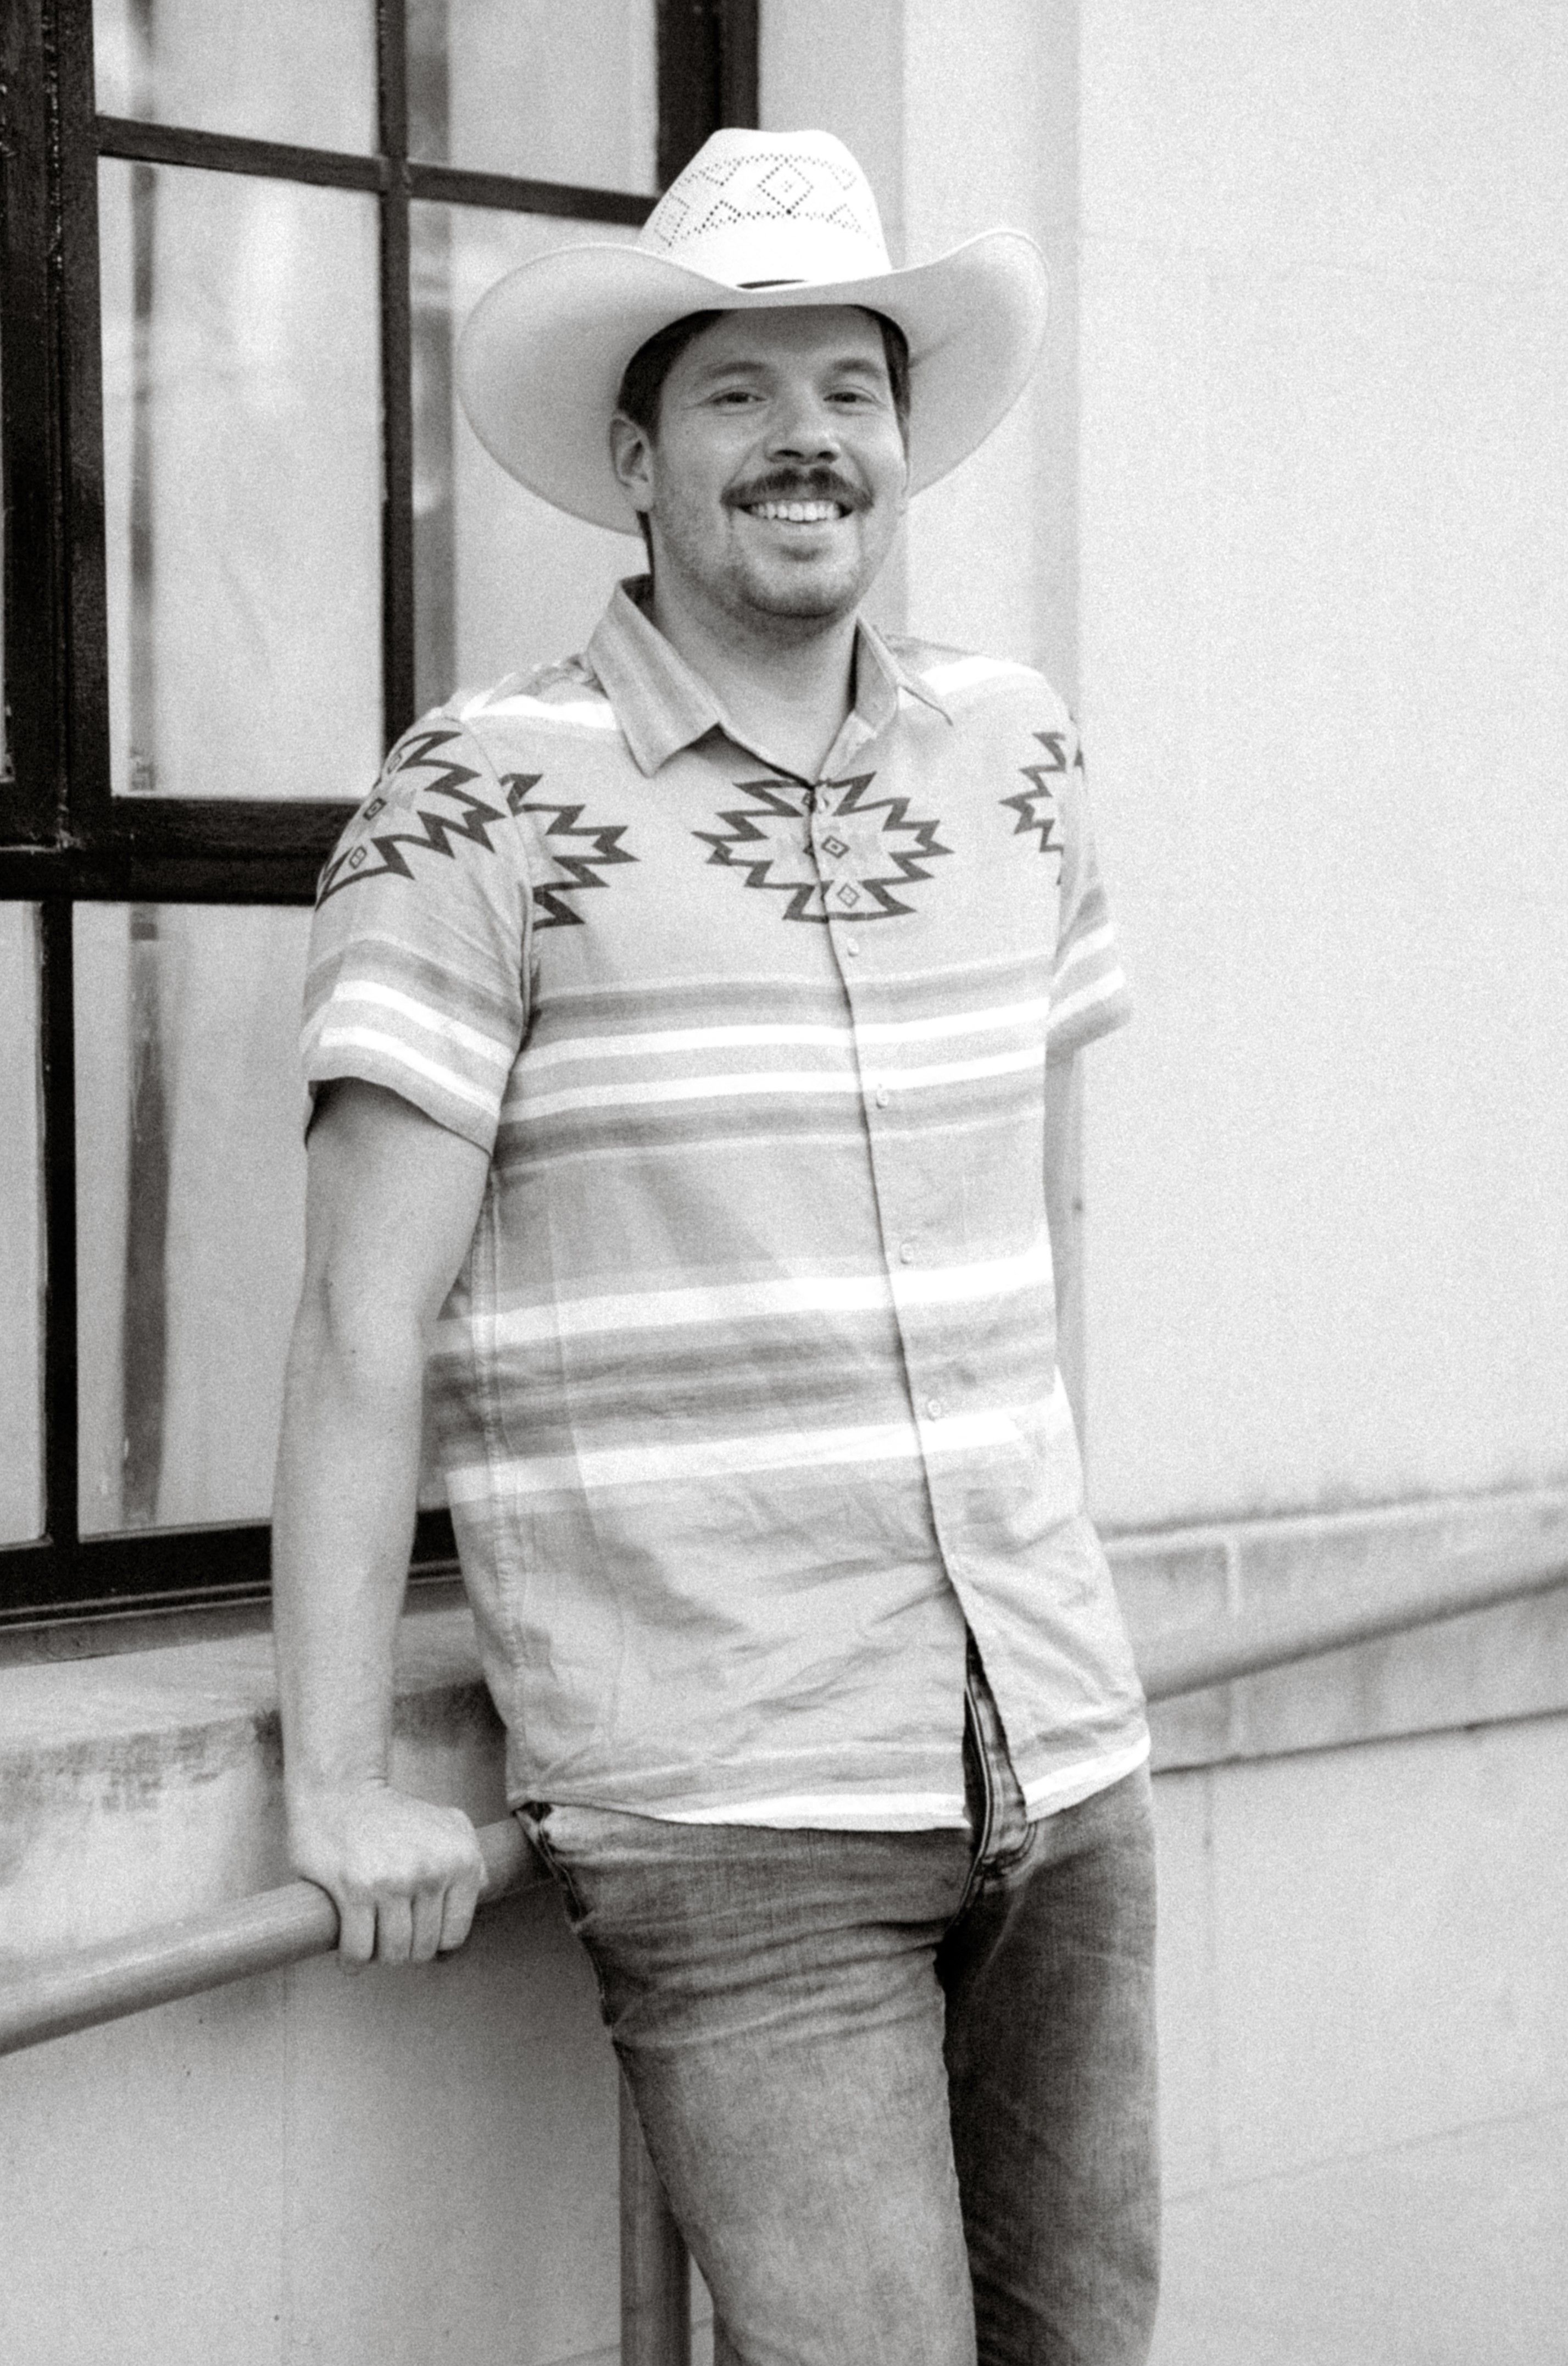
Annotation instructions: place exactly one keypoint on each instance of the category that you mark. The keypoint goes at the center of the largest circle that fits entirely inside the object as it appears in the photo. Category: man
(690, 1026)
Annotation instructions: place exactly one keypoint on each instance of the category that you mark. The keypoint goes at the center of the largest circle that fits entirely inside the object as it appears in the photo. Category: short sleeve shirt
(747, 1394)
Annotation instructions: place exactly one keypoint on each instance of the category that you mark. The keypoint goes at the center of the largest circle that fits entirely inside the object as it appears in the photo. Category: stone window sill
(137, 1785)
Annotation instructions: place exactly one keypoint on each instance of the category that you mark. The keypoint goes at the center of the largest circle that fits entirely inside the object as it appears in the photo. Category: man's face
(778, 474)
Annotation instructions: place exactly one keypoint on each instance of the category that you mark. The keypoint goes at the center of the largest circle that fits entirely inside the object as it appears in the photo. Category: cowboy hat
(758, 219)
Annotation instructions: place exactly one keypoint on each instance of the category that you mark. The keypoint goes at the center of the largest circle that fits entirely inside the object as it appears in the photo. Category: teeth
(798, 513)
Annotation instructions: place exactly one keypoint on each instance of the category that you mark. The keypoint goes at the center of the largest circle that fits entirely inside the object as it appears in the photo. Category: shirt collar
(662, 706)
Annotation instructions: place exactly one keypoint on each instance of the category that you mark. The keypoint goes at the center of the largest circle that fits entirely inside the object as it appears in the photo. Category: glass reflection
(552, 90)
(242, 433)
(190, 1207)
(295, 70)
(502, 580)
(21, 1267)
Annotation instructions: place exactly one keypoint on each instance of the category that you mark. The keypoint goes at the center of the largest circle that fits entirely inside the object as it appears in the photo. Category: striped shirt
(747, 1394)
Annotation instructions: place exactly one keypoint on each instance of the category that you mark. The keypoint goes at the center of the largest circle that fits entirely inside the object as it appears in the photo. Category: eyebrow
(872, 366)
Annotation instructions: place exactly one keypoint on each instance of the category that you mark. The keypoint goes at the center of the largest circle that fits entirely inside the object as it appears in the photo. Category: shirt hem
(835, 1812)
(1049, 1794)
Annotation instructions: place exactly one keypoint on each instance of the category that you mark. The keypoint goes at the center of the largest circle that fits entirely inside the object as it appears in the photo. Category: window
(246, 541)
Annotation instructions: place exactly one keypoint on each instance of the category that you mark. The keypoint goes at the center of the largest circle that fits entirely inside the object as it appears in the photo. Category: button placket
(899, 1246)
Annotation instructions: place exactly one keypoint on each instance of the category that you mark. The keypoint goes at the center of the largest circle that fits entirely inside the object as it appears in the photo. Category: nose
(804, 427)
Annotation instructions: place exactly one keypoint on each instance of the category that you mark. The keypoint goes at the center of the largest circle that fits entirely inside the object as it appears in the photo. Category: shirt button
(906, 1252)
(851, 946)
(933, 1408)
(883, 1097)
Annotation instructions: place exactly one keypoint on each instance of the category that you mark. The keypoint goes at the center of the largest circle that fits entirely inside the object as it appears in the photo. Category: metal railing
(263, 1933)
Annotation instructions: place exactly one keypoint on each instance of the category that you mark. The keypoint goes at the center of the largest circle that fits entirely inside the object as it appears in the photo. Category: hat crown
(760, 208)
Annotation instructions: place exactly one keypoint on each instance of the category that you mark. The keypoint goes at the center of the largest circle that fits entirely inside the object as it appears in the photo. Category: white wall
(1314, 317)
(1365, 2074)
(1285, 512)
(1324, 598)
(1365, 2058)
(962, 121)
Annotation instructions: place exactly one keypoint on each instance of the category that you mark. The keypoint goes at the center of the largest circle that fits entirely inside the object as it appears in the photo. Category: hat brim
(541, 357)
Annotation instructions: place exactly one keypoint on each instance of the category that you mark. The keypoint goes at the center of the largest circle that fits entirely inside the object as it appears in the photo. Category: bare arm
(391, 1203)
(1063, 1216)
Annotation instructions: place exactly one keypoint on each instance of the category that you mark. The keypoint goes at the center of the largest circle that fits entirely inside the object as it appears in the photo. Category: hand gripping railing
(284, 1926)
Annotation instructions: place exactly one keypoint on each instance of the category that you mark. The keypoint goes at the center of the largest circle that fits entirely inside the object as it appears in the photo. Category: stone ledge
(1507, 1662)
(139, 1788)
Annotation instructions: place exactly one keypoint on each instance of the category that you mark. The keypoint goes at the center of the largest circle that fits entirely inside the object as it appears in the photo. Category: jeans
(899, 2086)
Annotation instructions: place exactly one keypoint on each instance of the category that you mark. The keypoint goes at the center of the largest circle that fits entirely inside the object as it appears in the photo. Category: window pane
(191, 1208)
(553, 90)
(21, 1267)
(295, 70)
(502, 579)
(242, 425)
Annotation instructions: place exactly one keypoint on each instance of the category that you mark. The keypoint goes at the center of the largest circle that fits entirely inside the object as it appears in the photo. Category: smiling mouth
(797, 513)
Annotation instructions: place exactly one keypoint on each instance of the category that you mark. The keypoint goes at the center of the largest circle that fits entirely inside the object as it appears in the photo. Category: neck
(784, 681)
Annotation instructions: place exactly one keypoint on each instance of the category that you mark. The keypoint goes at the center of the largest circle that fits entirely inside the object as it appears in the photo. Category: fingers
(393, 1929)
(457, 1913)
(357, 1932)
(409, 1928)
(425, 1929)
(404, 1872)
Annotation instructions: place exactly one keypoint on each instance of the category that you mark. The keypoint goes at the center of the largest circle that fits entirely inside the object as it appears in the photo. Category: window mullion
(81, 389)
(737, 62)
(397, 388)
(31, 797)
(63, 837)
(57, 1064)
(708, 74)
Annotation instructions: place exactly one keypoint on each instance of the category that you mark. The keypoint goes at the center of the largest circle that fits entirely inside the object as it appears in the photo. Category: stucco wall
(1324, 340)
(1280, 515)
(1366, 2090)
(1285, 513)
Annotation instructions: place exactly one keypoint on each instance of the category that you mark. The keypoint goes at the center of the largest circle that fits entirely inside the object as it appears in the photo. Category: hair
(642, 381)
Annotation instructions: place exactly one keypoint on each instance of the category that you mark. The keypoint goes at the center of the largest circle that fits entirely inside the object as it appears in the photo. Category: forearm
(391, 1204)
(344, 1514)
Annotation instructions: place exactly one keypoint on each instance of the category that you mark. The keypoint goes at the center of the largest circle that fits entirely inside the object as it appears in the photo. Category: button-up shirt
(747, 1394)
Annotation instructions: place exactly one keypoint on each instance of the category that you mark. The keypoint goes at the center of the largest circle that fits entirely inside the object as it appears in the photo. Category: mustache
(820, 483)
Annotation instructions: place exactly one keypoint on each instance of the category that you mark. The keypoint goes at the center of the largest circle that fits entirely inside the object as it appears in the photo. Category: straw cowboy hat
(757, 220)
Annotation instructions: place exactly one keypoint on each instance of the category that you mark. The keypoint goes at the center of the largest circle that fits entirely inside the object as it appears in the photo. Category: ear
(631, 456)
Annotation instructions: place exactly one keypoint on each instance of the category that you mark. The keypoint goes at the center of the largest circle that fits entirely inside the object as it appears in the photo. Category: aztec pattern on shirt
(748, 1394)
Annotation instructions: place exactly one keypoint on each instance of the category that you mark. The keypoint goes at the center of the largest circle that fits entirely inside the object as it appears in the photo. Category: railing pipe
(286, 1925)
(656, 2276)
(1189, 1662)
(656, 2269)
(262, 1933)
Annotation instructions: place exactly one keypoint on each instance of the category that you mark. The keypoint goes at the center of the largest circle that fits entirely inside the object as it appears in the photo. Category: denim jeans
(899, 2086)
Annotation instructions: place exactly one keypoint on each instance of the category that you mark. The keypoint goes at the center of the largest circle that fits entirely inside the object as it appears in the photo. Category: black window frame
(64, 838)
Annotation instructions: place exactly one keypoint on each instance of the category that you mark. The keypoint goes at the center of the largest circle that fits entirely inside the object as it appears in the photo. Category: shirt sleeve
(1089, 993)
(420, 951)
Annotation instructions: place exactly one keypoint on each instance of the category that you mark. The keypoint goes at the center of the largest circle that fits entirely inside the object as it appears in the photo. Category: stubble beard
(787, 600)
(754, 594)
